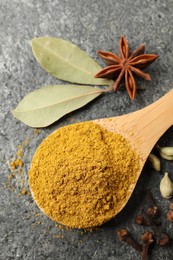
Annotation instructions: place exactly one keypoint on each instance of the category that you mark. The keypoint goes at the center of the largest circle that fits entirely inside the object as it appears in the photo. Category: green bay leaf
(46, 105)
(66, 61)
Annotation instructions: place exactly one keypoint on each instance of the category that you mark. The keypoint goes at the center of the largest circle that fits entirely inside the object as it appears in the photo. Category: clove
(164, 240)
(150, 199)
(140, 220)
(126, 236)
(156, 229)
(147, 239)
(153, 210)
(149, 218)
(169, 215)
(171, 206)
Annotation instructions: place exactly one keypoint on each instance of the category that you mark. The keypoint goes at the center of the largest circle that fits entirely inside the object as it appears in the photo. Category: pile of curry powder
(81, 173)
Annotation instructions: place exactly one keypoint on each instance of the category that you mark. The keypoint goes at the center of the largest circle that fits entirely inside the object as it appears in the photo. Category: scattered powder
(15, 180)
(24, 191)
(16, 163)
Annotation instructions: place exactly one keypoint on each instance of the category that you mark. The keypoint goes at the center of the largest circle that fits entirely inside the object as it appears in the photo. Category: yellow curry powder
(80, 175)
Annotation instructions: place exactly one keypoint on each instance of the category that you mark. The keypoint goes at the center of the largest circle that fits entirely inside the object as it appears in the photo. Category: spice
(164, 240)
(147, 239)
(24, 192)
(169, 214)
(81, 174)
(171, 206)
(154, 162)
(125, 65)
(151, 218)
(126, 236)
(16, 163)
(153, 210)
(165, 152)
(16, 180)
(140, 220)
(155, 236)
(166, 187)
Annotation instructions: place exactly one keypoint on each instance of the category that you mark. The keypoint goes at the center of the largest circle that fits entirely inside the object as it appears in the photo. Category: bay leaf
(66, 61)
(46, 105)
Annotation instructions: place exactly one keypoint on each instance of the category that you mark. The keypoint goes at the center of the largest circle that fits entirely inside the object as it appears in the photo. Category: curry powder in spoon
(80, 175)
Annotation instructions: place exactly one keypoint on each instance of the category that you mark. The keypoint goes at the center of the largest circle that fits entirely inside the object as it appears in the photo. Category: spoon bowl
(142, 129)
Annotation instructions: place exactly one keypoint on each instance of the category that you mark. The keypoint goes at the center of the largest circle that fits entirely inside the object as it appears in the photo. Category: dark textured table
(25, 233)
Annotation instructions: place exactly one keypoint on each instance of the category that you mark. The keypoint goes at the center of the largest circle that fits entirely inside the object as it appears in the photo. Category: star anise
(125, 65)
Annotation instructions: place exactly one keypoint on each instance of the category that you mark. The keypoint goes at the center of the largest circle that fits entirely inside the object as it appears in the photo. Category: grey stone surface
(91, 25)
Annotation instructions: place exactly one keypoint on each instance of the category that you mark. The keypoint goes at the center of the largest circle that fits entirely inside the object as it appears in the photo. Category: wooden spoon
(142, 129)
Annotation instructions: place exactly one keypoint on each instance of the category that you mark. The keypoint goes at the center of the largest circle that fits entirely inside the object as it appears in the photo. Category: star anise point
(125, 65)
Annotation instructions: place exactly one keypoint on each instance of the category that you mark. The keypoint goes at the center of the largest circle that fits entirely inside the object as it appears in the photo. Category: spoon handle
(151, 122)
(144, 127)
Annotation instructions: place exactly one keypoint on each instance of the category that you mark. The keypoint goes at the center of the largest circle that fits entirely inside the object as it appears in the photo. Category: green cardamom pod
(154, 162)
(165, 152)
(166, 187)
